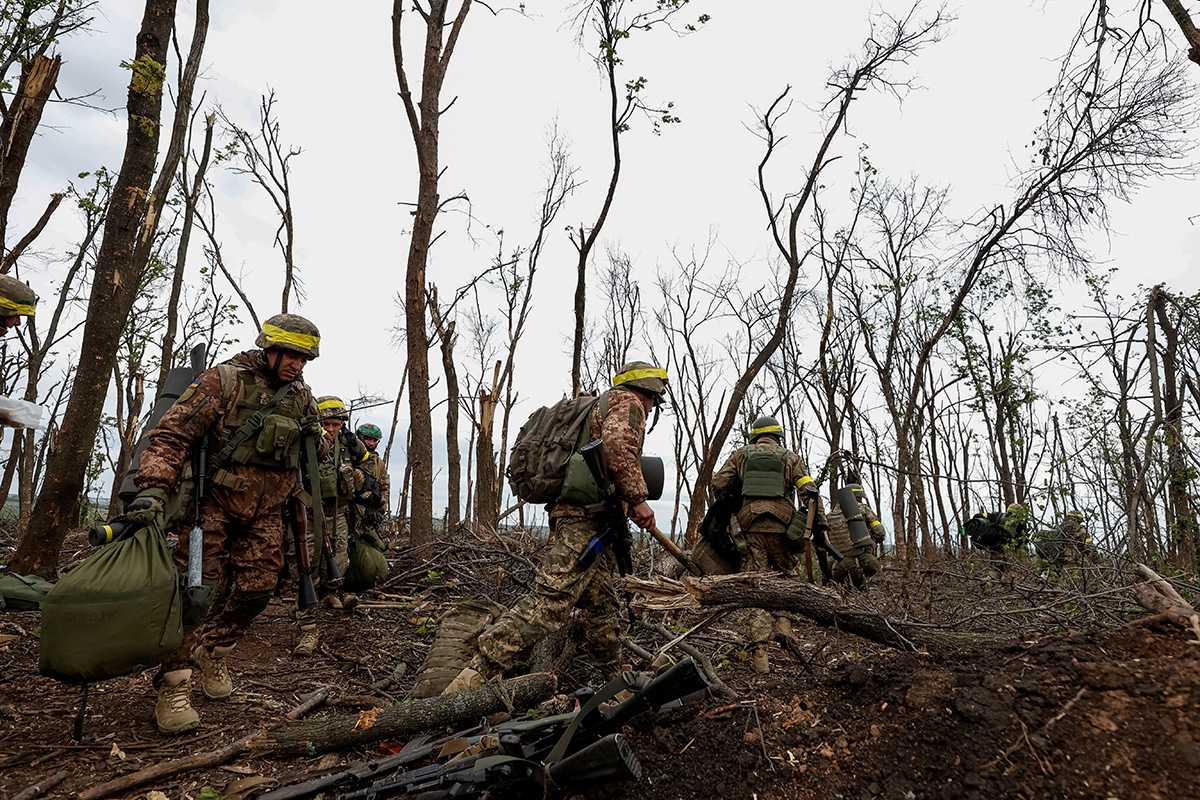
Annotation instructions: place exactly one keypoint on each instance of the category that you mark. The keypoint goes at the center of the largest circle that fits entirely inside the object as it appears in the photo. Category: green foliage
(148, 75)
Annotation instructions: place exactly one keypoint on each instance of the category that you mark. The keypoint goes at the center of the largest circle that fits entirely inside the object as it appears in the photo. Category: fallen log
(41, 787)
(338, 731)
(776, 592)
(1156, 594)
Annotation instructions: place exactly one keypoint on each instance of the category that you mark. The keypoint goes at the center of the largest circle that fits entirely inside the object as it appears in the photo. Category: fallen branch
(311, 701)
(775, 592)
(717, 685)
(338, 731)
(1159, 596)
(41, 787)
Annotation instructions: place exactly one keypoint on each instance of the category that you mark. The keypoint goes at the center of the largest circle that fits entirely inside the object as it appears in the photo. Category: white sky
(332, 69)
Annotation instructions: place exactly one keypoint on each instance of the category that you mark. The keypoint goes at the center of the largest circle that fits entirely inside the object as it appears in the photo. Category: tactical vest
(277, 444)
(332, 487)
(763, 474)
(839, 531)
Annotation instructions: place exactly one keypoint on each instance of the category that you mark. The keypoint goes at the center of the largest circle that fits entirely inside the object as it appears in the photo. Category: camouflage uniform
(242, 514)
(858, 564)
(764, 521)
(16, 300)
(619, 420)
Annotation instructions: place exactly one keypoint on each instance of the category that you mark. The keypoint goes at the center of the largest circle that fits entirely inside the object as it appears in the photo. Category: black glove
(369, 495)
(148, 509)
(355, 450)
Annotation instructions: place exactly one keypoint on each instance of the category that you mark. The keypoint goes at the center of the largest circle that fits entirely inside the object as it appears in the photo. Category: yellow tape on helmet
(277, 335)
(9, 308)
(639, 374)
(766, 429)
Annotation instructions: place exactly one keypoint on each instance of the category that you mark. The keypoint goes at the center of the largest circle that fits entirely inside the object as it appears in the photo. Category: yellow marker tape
(277, 335)
(638, 374)
(108, 535)
(876, 524)
(766, 429)
(327, 405)
(9, 309)
(805, 481)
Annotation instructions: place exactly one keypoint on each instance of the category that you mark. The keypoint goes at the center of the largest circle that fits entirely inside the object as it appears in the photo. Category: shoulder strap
(250, 427)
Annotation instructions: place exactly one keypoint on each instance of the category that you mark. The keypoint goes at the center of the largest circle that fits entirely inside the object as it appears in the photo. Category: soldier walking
(564, 581)
(771, 477)
(256, 411)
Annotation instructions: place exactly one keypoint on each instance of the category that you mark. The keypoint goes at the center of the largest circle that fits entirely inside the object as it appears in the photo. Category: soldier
(1076, 539)
(258, 414)
(770, 476)
(618, 420)
(858, 564)
(376, 519)
(16, 300)
(342, 477)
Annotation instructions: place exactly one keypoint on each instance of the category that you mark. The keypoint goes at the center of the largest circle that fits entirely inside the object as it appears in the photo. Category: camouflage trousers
(243, 556)
(338, 528)
(857, 566)
(766, 551)
(560, 587)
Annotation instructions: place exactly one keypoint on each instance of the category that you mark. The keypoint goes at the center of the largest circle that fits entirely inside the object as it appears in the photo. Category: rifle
(198, 595)
(306, 595)
(563, 752)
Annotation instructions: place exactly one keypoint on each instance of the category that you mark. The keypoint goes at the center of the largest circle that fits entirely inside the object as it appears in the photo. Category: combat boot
(310, 637)
(173, 713)
(760, 661)
(350, 602)
(332, 601)
(215, 680)
(470, 677)
(783, 626)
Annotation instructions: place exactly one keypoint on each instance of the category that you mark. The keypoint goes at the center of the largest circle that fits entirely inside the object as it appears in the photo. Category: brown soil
(1112, 713)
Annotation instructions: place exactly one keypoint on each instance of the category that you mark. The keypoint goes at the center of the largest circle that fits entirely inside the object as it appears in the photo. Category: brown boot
(173, 713)
(310, 637)
(760, 661)
(470, 677)
(350, 602)
(215, 680)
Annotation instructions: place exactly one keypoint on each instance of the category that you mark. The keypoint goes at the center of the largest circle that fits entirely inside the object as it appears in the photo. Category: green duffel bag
(117, 612)
(22, 592)
(368, 564)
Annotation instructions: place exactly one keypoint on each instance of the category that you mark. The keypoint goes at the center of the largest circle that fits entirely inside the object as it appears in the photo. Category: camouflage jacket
(379, 470)
(619, 421)
(839, 529)
(203, 410)
(764, 514)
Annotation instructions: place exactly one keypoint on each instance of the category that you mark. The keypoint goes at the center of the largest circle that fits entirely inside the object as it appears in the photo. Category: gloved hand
(148, 509)
(355, 450)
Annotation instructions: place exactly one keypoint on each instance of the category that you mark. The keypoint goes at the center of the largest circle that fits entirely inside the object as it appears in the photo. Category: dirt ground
(1112, 712)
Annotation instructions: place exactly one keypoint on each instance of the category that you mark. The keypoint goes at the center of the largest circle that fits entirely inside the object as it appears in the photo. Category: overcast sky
(513, 77)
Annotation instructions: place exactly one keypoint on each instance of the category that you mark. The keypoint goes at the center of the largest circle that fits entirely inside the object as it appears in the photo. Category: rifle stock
(306, 595)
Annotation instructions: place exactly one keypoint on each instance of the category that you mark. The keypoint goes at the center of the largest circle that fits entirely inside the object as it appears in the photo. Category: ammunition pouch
(579, 484)
(278, 441)
(797, 533)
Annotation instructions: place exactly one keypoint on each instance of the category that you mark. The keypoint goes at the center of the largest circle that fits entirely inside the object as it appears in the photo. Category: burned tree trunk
(487, 499)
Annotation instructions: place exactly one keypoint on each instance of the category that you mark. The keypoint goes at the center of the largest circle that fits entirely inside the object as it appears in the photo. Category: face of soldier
(369, 442)
(332, 425)
(287, 365)
(10, 322)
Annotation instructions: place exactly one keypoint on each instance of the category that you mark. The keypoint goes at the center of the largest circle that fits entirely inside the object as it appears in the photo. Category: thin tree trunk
(487, 509)
(38, 79)
(115, 283)
(446, 343)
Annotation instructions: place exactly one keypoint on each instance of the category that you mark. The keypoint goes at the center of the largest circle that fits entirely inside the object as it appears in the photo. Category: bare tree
(424, 122)
(129, 233)
(268, 161)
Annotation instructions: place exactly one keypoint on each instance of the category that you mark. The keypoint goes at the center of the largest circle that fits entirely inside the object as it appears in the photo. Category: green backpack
(117, 612)
(368, 564)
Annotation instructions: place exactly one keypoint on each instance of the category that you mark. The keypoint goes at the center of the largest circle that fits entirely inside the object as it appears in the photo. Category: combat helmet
(765, 426)
(644, 376)
(16, 298)
(369, 430)
(333, 407)
(290, 332)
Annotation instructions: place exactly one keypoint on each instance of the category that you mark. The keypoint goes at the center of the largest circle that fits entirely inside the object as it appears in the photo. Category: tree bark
(424, 120)
(774, 592)
(446, 335)
(1184, 20)
(114, 288)
(16, 133)
(487, 502)
(1181, 519)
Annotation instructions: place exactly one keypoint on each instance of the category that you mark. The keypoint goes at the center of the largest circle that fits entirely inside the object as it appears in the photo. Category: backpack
(987, 531)
(118, 611)
(537, 463)
(367, 563)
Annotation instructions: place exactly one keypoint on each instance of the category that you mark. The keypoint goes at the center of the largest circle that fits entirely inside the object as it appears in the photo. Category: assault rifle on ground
(530, 757)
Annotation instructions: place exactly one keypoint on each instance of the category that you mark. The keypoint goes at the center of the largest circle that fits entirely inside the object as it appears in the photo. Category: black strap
(249, 428)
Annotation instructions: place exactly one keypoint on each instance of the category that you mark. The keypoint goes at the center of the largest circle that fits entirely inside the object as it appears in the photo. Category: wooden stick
(699, 626)
(311, 701)
(41, 787)
(167, 768)
(674, 550)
